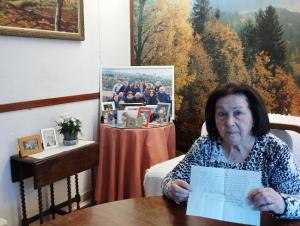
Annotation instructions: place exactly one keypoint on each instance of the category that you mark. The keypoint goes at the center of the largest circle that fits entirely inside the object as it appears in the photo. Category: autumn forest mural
(211, 42)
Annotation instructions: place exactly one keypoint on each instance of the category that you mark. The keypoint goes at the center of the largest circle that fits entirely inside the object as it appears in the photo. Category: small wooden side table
(50, 169)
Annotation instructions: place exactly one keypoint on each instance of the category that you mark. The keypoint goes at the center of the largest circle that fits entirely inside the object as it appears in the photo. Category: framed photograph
(124, 81)
(124, 105)
(108, 106)
(59, 19)
(49, 138)
(153, 108)
(30, 145)
(145, 114)
(136, 108)
(109, 117)
(134, 123)
(124, 115)
(163, 111)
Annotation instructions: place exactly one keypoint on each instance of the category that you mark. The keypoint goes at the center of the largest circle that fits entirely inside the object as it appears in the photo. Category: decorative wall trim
(47, 102)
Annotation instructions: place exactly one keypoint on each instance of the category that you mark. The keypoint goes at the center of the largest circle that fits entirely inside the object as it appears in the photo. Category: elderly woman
(239, 138)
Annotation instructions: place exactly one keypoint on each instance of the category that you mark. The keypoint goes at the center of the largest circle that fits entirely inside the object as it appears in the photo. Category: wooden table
(48, 170)
(124, 156)
(147, 211)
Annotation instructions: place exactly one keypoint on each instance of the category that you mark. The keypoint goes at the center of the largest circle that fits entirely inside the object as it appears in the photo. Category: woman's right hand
(180, 190)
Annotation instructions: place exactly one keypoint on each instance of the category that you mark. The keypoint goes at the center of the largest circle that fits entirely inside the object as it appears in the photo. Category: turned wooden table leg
(93, 202)
(69, 194)
(52, 201)
(23, 204)
(40, 205)
(77, 196)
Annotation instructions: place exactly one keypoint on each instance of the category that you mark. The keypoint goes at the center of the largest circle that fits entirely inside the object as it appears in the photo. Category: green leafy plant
(68, 124)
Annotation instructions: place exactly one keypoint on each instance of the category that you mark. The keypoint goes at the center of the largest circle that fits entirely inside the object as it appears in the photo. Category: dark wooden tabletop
(147, 211)
(55, 167)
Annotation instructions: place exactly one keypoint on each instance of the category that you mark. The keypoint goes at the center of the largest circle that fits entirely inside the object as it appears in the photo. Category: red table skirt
(124, 156)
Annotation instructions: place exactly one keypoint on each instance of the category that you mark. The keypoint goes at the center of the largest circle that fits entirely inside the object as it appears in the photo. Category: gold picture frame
(29, 145)
(43, 19)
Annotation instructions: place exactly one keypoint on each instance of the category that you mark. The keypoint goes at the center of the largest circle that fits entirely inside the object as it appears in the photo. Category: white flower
(65, 115)
(68, 124)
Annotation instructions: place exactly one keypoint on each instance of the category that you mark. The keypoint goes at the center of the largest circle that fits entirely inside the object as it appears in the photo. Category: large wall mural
(211, 42)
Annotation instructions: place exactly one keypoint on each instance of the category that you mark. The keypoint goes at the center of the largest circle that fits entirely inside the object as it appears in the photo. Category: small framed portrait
(134, 123)
(109, 117)
(145, 114)
(124, 115)
(163, 111)
(49, 138)
(108, 106)
(30, 145)
(153, 108)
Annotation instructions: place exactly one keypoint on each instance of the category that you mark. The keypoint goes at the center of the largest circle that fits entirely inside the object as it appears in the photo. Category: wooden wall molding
(47, 102)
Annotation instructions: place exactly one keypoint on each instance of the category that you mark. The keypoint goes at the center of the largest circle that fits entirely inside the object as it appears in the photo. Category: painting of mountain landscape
(211, 42)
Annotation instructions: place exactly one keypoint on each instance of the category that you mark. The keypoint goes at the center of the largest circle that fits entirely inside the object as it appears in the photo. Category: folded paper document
(221, 194)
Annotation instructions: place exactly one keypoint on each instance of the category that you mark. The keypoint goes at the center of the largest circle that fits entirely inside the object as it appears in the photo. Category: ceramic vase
(70, 139)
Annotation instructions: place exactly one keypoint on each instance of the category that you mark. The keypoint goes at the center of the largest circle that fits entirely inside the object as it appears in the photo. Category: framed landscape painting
(59, 19)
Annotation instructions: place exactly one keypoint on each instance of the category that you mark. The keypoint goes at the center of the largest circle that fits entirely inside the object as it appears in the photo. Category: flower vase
(70, 139)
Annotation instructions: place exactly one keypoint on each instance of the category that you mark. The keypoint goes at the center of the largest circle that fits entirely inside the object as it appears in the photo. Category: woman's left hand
(267, 199)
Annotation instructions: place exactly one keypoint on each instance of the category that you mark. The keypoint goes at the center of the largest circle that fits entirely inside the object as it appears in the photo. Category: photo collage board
(137, 96)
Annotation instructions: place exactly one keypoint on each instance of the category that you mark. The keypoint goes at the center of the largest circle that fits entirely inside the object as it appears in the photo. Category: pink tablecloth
(124, 156)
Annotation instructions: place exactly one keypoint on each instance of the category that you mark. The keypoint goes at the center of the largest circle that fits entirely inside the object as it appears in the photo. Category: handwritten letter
(222, 194)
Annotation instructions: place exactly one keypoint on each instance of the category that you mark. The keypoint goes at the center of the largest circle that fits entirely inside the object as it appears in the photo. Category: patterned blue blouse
(269, 155)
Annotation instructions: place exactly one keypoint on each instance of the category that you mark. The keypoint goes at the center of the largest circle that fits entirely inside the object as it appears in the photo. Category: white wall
(115, 33)
(32, 68)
